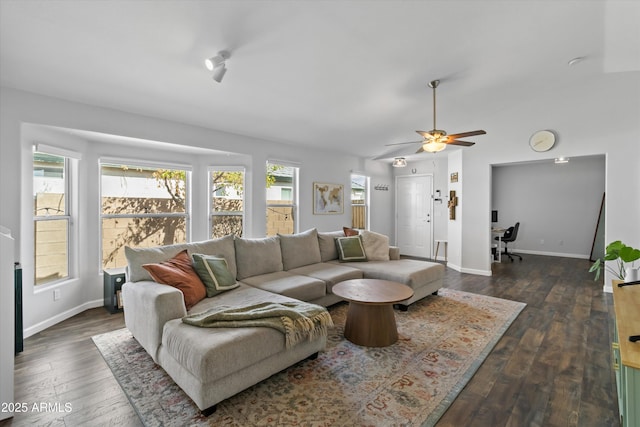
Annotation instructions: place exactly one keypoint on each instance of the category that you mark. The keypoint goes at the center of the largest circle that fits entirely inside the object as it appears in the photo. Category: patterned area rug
(443, 341)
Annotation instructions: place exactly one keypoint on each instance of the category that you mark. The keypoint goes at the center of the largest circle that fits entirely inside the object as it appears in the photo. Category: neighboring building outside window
(227, 202)
(51, 217)
(282, 196)
(142, 206)
(359, 202)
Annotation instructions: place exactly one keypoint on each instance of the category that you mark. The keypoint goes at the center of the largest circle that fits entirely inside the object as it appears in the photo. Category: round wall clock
(542, 140)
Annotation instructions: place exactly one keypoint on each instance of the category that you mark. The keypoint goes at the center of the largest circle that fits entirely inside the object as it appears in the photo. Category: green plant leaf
(615, 246)
(629, 254)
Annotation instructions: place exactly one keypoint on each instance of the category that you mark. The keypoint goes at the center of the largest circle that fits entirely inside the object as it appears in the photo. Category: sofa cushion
(284, 283)
(258, 256)
(179, 273)
(213, 353)
(136, 257)
(412, 273)
(350, 249)
(300, 249)
(222, 247)
(327, 243)
(376, 246)
(214, 273)
(329, 273)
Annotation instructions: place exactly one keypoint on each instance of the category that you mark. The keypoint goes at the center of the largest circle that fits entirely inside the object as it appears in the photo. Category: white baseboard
(557, 254)
(468, 270)
(32, 330)
(476, 272)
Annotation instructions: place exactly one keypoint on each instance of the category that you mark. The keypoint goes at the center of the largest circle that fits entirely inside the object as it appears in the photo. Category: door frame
(430, 195)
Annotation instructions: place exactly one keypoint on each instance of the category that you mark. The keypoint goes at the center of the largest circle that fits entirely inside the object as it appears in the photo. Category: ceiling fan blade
(425, 134)
(402, 143)
(463, 134)
(463, 143)
(420, 150)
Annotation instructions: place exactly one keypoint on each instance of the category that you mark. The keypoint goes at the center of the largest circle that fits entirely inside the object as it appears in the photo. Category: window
(227, 202)
(359, 201)
(52, 221)
(282, 207)
(142, 206)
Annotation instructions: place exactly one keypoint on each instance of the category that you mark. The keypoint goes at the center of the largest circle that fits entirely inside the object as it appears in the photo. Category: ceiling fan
(436, 140)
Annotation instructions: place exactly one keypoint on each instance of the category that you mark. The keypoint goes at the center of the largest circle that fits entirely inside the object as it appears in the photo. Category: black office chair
(510, 236)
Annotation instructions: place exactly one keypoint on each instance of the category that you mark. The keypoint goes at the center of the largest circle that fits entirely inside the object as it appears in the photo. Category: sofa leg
(210, 410)
(435, 293)
(401, 307)
(314, 356)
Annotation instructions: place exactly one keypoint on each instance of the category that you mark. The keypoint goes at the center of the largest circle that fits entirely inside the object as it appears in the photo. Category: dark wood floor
(551, 368)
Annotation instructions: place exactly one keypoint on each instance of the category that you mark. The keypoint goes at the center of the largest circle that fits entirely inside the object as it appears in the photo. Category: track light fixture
(219, 72)
(218, 64)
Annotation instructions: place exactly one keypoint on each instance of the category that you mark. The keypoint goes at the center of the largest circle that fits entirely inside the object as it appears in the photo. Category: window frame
(212, 213)
(133, 163)
(68, 217)
(367, 198)
(294, 205)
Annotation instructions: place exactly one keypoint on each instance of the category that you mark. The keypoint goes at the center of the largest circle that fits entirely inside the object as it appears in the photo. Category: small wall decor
(453, 202)
(454, 177)
(328, 198)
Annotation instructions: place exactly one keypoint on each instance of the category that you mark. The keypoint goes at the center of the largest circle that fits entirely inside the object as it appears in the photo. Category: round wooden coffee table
(370, 318)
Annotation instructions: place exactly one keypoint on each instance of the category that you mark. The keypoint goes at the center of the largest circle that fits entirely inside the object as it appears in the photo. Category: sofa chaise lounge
(212, 364)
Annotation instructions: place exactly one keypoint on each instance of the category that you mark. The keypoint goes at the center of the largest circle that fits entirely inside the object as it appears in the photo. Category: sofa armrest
(394, 253)
(147, 307)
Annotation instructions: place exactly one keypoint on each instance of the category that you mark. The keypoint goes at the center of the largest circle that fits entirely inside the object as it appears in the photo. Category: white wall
(25, 118)
(557, 205)
(599, 117)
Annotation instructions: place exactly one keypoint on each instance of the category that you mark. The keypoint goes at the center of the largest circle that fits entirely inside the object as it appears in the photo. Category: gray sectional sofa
(212, 364)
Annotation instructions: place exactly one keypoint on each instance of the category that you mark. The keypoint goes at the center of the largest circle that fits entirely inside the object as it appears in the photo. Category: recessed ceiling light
(560, 160)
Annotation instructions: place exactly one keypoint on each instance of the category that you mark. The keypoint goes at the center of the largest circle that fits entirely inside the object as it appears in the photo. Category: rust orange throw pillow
(179, 273)
(349, 231)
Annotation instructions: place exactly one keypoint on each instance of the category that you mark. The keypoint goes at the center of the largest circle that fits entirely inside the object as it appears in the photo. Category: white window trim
(295, 181)
(71, 189)
(211, 212)
(367, 195)
(145, 164)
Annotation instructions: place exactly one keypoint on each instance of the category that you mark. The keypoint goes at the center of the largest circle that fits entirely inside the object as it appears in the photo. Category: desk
(500, 233)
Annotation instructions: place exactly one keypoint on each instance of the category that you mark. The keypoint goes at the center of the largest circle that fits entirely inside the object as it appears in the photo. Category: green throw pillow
(350, 249)
(214, 273)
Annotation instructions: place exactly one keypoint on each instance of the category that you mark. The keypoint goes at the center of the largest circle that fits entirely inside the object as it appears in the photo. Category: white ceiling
(344, 75)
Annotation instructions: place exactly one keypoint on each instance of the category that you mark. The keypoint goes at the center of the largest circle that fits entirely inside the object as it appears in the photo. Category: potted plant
(623, 254)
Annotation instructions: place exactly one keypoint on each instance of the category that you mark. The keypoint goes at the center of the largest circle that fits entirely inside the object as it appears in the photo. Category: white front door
(414, 215)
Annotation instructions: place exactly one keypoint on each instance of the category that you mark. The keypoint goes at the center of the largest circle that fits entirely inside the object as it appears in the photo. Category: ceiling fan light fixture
(399, 162)
(433, 146)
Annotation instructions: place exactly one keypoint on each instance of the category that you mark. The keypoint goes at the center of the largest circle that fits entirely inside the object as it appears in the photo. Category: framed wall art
(328, 198)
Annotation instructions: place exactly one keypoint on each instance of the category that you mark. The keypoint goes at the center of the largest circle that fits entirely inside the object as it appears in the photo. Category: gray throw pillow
(214, 273)
(350, 249)
(300, 249)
